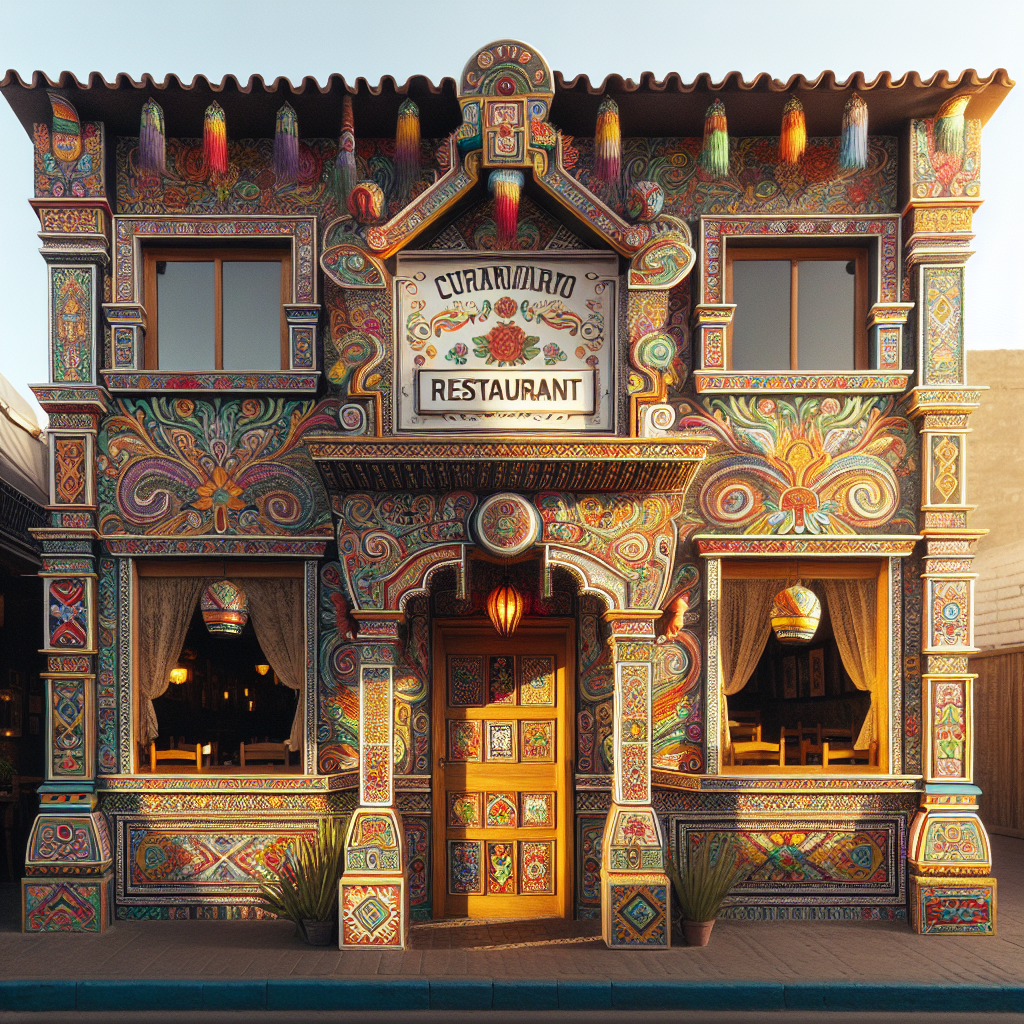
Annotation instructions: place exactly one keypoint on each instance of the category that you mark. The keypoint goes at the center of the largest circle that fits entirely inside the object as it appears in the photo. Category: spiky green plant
(707, 880)
(307, 885)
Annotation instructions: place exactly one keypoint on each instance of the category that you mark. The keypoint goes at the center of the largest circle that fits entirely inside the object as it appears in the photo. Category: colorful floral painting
(463, 810)
(506, 344)
(502, 680)
(538, 680)
(537, 868)
(501, 869)
(464, 740)
(502, 811)
(537, 810)
(538, 741)
(465, 867)
(465, 680)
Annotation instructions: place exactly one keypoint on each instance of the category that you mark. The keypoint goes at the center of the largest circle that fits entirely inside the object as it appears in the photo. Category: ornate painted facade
(505, 355)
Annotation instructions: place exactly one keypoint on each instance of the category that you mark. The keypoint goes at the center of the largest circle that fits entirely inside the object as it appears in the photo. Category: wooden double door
(502, 740)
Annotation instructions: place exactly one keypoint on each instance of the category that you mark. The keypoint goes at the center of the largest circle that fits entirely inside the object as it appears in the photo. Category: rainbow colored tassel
(345, 164)
(407, 149)
(506, 186)
(286, 144)
(714, 156)
(215, 139)
(950, 123)
(853, 146)
(793, 139)
(608, 143)
(66, 137)
(152, 140)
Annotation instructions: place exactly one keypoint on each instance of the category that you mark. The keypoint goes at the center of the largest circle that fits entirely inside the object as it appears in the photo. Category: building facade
(335, 370)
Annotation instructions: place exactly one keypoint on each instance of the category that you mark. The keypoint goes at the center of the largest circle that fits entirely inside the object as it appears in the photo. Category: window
(800, 308)
(791, 698)
(212, 310)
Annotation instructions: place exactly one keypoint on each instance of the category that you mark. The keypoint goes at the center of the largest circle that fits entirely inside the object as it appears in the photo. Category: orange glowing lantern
(505, 608)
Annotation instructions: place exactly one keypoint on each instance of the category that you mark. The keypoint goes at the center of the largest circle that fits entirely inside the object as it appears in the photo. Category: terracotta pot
(697, 933)
(318, 933)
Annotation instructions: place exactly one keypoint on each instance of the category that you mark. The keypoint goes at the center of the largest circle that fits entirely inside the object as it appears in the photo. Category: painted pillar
(68, 878)
(373, 898)
(951, 888)
(635, 897)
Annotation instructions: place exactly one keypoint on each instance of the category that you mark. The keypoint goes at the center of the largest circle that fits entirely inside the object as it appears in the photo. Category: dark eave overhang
(648, 107)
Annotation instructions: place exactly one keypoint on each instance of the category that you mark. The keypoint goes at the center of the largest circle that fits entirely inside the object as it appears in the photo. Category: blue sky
(402, 38)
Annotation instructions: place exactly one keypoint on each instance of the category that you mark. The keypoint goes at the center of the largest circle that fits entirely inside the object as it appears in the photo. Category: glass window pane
(185, 311)
(760, 325)
(252, 315)
(825, 315)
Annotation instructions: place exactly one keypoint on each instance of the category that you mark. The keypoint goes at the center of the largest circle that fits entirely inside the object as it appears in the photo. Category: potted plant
(708, 878)
(306, 890)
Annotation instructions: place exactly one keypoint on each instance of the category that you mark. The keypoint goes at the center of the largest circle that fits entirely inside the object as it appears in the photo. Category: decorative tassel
(407, 149)
(215, 139)
(793, 140)
(152, 140)
(345, 164)
(286, 144)
(714, 157)
(949, 126)
(853, 147)
(506, 186)
(608, 143)
(66, 138)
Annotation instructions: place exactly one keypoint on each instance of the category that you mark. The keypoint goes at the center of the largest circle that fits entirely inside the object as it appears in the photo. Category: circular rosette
(507, 525)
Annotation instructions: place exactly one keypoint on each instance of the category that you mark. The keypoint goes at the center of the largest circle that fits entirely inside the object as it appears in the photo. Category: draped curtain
(166, 604)
(276, 610)
(853, 607)
(744, 624)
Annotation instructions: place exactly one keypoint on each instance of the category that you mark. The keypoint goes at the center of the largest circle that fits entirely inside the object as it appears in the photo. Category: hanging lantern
(225, 609)
(263, 669)
(796, 613)
(505, 608)
(179, 674)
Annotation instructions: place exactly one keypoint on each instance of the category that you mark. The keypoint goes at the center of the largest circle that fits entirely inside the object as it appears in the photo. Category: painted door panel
(501, 752)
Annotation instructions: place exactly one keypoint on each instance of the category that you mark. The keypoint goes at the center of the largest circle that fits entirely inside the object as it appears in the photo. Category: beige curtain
(853, 607)
(166, 605)
(276, 609)
(744, 624)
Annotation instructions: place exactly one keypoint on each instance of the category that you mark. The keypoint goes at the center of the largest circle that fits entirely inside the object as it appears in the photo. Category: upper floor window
(800, 308)
(217, 309)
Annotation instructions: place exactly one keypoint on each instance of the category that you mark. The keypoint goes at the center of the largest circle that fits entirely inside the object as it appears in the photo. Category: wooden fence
(999, 738)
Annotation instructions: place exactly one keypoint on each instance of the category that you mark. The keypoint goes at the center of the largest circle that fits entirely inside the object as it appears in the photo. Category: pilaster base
(67, 904)
(941, 905)
(373, 894)
(635, 891)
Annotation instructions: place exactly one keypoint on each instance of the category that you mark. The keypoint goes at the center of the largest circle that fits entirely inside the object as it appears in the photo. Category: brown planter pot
(318, 933)
(697, 933)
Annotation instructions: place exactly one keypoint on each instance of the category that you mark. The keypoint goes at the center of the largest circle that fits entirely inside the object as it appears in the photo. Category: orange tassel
(793, 140)
(506, 186)
(215, 139)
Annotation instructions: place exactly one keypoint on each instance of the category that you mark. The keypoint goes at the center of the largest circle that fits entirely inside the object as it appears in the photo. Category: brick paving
(779, 951)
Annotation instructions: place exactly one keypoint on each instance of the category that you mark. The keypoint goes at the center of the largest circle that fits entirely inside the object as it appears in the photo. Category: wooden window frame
(795, 255)
(166, 568)
(733, 569)
(218, 257)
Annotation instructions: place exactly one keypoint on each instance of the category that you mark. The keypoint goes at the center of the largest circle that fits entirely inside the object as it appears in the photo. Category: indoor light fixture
(179, 674)
(263, 669)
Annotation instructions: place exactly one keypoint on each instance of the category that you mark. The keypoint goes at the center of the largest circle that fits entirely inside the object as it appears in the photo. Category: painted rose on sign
(506, 344)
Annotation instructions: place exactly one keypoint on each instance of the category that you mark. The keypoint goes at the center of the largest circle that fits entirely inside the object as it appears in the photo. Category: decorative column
(951, 890)
(373, 897)
(68, 877)
(635, 897)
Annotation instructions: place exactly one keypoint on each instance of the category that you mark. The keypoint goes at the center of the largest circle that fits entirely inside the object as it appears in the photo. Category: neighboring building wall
(996, 454)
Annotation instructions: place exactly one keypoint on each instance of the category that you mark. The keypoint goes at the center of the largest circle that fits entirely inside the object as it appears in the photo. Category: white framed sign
(504, 342)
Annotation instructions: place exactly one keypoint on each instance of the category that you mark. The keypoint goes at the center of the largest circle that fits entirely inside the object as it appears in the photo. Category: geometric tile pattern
(639, 911)
(953, 906)
(372, 913)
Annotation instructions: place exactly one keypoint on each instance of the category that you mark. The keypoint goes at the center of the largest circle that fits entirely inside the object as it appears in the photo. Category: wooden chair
(810, 745)
(838, 737)
(274, 753)
(193, 754)
(860, 755)
(746, 717)
(757, 752)
(744, 731)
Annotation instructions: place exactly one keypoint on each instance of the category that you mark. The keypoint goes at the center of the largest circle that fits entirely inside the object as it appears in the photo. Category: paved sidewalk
(780, 951)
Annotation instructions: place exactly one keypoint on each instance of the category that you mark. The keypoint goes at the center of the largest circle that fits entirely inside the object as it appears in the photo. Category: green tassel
(714, 157)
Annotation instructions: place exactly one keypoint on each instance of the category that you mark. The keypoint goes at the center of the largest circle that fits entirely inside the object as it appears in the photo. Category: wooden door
(502, 762)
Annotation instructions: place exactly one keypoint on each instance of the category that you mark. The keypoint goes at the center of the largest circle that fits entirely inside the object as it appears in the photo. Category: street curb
(410, 994)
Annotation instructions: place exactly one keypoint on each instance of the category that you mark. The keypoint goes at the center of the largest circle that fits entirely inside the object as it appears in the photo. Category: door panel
(502, 738)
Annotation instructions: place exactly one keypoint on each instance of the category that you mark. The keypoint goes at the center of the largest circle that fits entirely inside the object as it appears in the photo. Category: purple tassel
(152, 140)
(286, 144)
